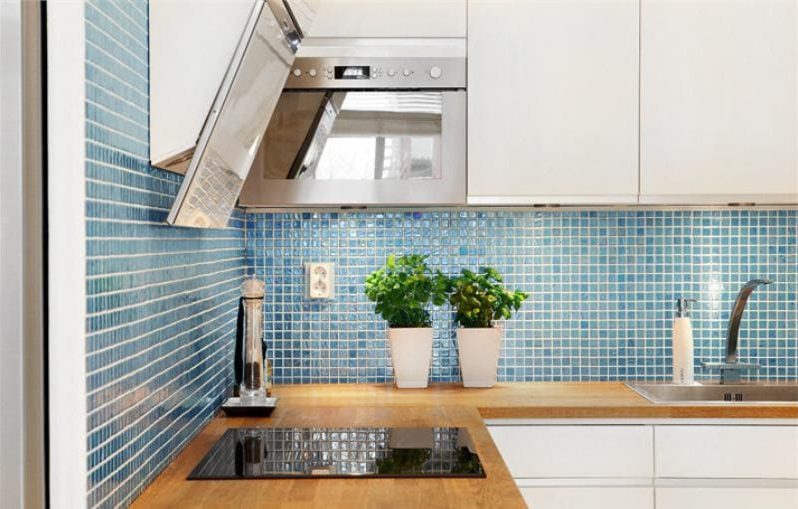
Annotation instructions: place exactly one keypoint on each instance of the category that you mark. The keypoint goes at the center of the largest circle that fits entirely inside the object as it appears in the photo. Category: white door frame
(22, 374)
(66, 51)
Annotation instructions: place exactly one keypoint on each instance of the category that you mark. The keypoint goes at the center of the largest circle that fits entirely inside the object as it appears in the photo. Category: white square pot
(412, 351)
(478, 350)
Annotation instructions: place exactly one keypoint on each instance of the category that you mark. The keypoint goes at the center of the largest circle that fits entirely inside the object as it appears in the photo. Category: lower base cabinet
(559, 497)
(706, 465)
(725, 498)
(721, 497)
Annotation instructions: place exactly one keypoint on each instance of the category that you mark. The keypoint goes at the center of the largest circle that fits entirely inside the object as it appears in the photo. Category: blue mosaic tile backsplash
(162, 302)
(602, 288)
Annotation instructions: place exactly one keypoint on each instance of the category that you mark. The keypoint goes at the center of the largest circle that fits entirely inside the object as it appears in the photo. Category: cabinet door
(553, 101)
(592, 497)
(390, 18)
(575, 451)
(726, 451)
(726, 498)
(191, 44)
(719, 101)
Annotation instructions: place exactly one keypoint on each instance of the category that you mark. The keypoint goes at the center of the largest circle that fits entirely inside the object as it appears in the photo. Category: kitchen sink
(716, 393)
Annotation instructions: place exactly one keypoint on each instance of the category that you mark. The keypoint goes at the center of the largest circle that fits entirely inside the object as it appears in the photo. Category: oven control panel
(373, 73)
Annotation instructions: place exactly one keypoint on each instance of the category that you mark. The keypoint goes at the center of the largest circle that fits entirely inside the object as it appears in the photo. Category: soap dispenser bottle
(683, 371)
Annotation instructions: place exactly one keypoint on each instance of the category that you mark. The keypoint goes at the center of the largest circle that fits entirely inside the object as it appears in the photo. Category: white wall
(67, 252)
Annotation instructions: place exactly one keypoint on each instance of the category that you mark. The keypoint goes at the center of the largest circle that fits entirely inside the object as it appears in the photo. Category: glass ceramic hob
(275, 453)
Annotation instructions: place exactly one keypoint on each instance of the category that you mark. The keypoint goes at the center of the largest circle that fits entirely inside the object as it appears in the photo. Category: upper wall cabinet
(553, 101)
(390, 18)
(191, 44)
(719, 102)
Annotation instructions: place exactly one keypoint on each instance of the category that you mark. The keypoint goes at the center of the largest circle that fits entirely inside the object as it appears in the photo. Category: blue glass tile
(595, 278)
(162, 302)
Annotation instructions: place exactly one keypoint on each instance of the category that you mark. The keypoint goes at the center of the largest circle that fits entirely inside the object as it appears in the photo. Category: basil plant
(403, 289)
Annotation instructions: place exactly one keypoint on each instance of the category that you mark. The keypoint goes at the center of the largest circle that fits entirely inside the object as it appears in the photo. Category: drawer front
(592, 497)
(726, 498)
(727, 451)
(575, 451)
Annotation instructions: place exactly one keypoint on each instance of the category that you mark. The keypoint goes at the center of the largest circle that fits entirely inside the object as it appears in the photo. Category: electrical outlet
(319, 280)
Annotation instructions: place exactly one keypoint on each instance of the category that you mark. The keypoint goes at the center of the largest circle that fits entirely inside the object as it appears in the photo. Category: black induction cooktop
(277, 453)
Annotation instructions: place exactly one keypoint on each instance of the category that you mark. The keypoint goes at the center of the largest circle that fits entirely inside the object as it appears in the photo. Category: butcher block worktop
(548, 400)
(439, 405)
(171, 489)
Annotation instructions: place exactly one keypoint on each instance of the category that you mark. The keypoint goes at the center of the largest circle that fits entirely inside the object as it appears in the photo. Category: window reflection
(355, 136)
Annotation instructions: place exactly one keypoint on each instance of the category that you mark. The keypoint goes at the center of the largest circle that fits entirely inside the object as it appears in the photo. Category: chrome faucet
(730, 368)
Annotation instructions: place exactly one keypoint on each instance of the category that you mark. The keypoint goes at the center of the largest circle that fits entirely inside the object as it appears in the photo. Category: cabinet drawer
(726, 498)
(592, 497)
(575, 451)
(727, 451)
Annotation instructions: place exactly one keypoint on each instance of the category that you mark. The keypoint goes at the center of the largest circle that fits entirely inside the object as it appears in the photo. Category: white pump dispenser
(683, 370)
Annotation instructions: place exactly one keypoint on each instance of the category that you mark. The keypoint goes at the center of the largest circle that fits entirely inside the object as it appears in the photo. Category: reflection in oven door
(353, 135)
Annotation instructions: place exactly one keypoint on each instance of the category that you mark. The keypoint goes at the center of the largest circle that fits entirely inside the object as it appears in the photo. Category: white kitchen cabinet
(191, 44)
(719, 101)
(726, 451)
(553, 101)
(390, 18)
(547, 497)
(698, 465)
(726, 498)
(575, 451)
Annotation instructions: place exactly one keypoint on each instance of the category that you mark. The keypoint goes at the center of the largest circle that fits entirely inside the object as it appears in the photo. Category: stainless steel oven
(365, 131)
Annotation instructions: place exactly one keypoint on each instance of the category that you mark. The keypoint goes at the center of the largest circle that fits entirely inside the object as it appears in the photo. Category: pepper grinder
(253, 399)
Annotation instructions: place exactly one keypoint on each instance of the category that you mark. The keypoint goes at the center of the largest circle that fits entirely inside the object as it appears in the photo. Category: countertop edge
(530, 400)
(625, 412)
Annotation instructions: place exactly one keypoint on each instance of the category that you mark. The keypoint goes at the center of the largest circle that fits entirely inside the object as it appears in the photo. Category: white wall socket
(319, 280)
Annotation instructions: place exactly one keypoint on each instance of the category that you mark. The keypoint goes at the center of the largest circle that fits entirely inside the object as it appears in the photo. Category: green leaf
(403, 289)
(479, 298)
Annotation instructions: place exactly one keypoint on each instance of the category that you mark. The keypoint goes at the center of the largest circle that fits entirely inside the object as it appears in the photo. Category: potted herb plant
(479, 299)
(403, 290)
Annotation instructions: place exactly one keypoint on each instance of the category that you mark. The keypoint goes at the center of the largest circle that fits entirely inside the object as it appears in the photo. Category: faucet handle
(683, 307)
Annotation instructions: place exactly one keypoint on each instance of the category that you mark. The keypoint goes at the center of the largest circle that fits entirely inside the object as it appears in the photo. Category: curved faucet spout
(737, 316)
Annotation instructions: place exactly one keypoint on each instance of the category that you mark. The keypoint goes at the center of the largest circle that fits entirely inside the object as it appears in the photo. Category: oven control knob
(312, 73)
(406, 72)
(297, 72)
(391, 72)
(435, 72)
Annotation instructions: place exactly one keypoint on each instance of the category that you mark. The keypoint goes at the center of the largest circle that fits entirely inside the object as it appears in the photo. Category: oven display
(352, 72)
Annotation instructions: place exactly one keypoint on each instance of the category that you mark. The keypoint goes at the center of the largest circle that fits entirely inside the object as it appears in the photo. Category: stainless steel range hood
(229, 140)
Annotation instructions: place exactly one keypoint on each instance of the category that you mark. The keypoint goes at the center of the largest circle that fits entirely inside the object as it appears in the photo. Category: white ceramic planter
(412, 351)
(478, 350)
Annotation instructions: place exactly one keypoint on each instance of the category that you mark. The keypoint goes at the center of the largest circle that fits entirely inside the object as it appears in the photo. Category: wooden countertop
(439, 405)
(171, 489)
(543, 400)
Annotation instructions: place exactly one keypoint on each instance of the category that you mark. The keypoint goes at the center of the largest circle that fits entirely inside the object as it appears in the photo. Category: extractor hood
(229, 140)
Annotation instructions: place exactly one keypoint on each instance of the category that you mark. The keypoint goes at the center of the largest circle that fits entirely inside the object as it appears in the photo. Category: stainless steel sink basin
(716, 393)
